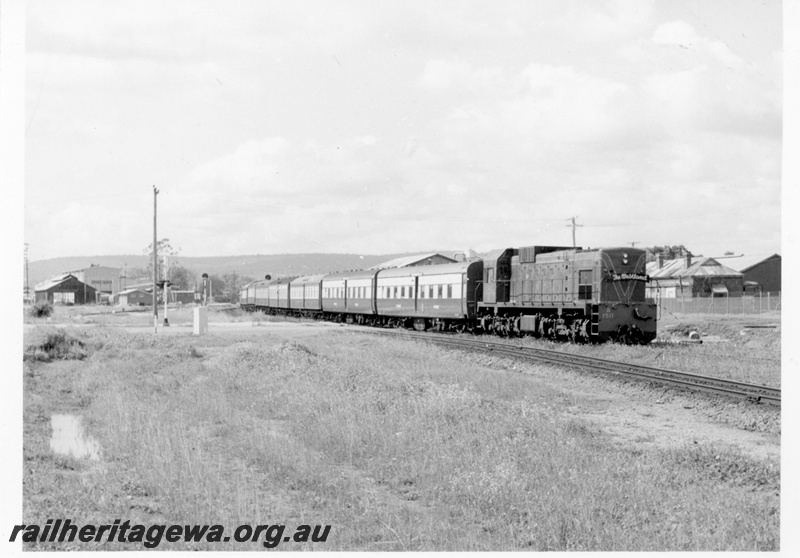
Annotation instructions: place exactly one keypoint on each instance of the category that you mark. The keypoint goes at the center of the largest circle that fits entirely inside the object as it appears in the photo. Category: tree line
(223, 288)
(669, 252)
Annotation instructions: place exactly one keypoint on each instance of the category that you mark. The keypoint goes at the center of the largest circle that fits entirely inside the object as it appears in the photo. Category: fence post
(768, 302)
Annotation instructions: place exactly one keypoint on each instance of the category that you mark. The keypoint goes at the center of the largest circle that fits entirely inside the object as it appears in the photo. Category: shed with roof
(65, 289)
(134, 297)
(683, 277)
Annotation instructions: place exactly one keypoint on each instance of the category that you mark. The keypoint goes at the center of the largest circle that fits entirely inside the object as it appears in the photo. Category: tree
(134, 274)
(669, 252)
(181, 278)
(217, 286)
(233, 283)
(164, 249)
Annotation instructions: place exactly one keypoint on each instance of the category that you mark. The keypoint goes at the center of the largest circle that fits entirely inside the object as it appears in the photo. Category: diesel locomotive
(546, 291)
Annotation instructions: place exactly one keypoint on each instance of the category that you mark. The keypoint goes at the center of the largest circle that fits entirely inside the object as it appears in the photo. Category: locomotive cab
(621, 309)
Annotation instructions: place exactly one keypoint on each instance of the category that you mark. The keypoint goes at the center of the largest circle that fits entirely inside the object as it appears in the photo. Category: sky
(275, 127)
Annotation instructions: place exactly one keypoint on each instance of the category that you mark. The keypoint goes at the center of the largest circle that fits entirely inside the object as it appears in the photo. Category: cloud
(683, 35)
(352, 126)
(608, 21)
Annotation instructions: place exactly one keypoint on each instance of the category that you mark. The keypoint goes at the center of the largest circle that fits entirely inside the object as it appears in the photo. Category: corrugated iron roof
(129, 291)
(708, 267)
(705, 267)
(53, 281)
(669, 269)
(743, 263)
(407, 260)
(93, 267)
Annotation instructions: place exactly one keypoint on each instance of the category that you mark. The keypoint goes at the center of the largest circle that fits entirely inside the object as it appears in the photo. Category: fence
(724, 305)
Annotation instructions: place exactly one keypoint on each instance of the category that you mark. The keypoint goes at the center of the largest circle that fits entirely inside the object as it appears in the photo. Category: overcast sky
(378, 127)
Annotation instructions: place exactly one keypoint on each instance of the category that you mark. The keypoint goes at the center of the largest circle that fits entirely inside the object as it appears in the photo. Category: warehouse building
(762, 273)
(66, 289)
(102, 278)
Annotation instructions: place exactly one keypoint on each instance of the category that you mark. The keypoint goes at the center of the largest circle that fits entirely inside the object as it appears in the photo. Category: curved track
(694, 382)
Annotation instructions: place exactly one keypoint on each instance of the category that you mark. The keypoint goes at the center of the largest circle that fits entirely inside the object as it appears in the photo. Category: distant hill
(253, 266)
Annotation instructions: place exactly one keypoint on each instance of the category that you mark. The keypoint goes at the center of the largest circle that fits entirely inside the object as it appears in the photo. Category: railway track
(686, 380)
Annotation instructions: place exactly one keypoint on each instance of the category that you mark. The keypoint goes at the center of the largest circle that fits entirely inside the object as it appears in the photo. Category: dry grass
(137, 316)
(398, 450)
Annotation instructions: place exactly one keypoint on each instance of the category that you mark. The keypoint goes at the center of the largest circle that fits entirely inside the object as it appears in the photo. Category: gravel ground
(643, 413)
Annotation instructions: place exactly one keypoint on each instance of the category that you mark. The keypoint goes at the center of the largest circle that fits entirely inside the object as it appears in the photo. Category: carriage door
(416, 292)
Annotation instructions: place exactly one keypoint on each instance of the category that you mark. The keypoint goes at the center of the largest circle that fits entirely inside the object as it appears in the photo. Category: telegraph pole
(27, 288)
(166, 289)
(155, 261)
(573, 225)
(633, 244)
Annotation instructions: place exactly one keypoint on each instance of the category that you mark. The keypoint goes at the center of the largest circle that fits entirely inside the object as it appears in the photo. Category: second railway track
(694, 382)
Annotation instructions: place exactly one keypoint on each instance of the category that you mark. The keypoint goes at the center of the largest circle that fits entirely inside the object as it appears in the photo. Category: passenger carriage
(278, 294)
(261, 294)
(306, 294)
(431, 296)
(350, 296)
(244, 303)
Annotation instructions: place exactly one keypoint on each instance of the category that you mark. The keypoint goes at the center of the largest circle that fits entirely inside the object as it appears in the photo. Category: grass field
(396, 449)
(732, 348)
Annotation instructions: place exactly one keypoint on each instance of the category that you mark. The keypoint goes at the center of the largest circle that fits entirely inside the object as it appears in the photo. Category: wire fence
(759, 303)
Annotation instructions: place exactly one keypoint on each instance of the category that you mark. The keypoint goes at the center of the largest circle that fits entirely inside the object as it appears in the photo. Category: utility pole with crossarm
(573, 225)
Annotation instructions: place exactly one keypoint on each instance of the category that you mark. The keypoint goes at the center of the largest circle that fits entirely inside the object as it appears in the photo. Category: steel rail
(688, 380)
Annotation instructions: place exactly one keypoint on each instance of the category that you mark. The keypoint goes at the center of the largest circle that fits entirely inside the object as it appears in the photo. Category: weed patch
(41, 309)
(58, 345)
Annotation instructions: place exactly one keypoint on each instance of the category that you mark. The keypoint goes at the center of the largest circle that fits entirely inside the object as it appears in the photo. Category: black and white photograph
(398, 276)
